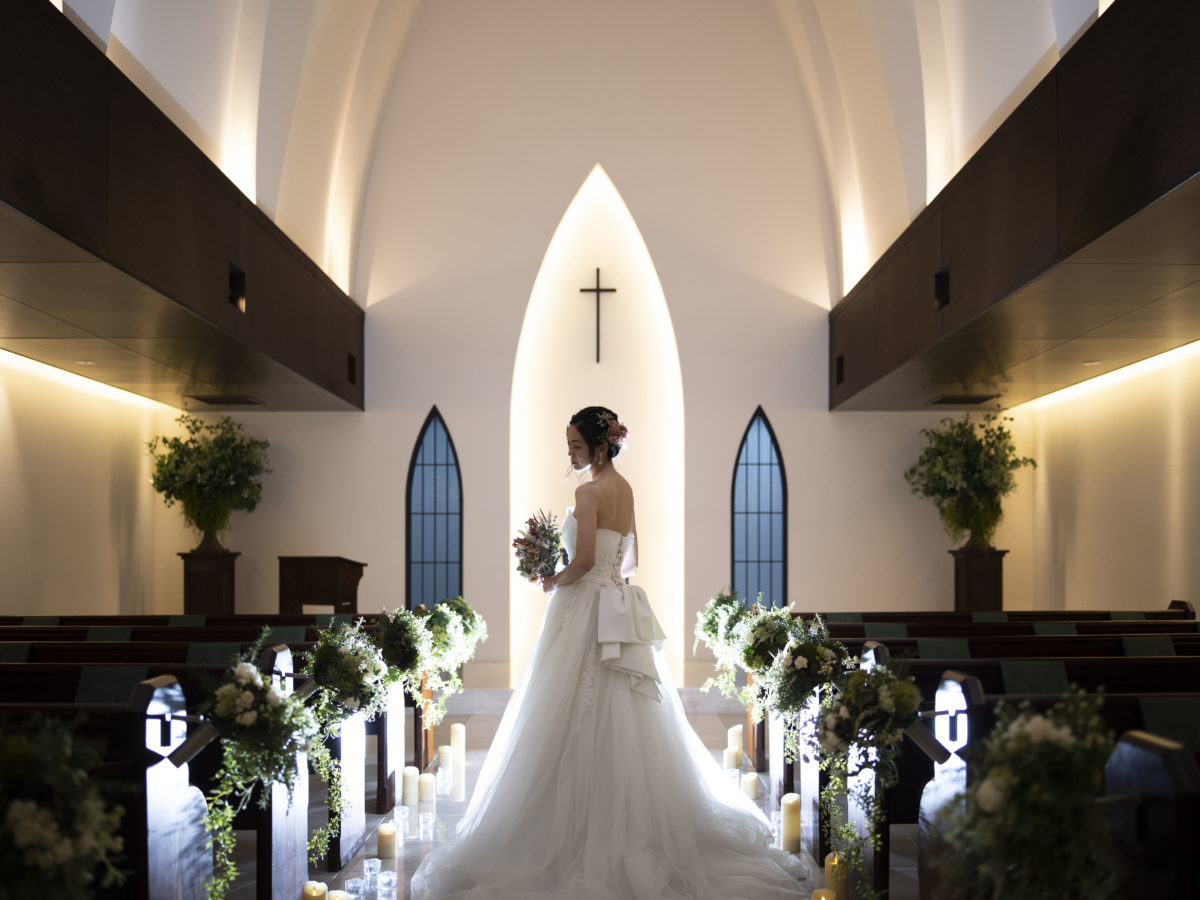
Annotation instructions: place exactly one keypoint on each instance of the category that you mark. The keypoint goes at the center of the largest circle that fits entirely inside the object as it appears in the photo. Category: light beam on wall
(1115, 377)
(556, 373)
(15, 363)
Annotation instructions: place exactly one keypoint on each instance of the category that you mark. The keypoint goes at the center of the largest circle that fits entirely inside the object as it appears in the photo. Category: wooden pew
(162, 828)
(1162, 772)
(281, 828)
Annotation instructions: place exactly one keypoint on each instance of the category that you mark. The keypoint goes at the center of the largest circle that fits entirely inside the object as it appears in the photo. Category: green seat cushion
(882, 630)
(1034, 676)
(108, 684)
(217, 653)
(288, 634)
(1147, 645)
(843, 617)
(1177, 718)
(943, 648)
(14, 653)
(109, 633)
(188, 620)
(989, 615)
(1055, 628)
(326, 620)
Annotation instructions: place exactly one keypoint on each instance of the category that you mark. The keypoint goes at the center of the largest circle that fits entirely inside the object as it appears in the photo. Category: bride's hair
(597, 424)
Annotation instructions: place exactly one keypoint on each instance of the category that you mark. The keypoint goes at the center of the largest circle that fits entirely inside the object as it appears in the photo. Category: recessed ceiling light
(1091, 362)
(84, 362)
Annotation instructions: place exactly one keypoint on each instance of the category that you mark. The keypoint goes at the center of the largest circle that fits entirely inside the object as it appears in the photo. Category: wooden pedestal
(978, 580)
(208, 582)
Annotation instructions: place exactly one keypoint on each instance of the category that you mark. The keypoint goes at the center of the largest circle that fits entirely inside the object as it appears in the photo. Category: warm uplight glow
(1118, 376)
(15, 363)
(555, 374)
(854, 244)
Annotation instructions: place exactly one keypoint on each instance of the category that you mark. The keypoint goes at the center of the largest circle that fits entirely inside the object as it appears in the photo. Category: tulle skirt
(592, 790)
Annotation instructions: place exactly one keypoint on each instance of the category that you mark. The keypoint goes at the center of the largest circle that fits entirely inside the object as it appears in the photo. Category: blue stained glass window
(759, 510)
(434, 517)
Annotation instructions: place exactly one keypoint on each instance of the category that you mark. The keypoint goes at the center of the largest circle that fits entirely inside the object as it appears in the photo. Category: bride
(595, 786)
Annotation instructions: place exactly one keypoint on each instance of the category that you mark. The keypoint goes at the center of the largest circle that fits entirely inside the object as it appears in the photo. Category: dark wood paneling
(906, 319)
(279, 316)
(999, 219)
(1128, 125)
(852, 342)
(52, 106)
(340, 325)
(172, 214)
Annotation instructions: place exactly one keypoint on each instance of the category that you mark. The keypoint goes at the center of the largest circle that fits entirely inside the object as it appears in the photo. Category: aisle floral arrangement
(715, 624)
(1026, 826)
(59, 833)
(454, 631)
(351, 677)
(262, 729)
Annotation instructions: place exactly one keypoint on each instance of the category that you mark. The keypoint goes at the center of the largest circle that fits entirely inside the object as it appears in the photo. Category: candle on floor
(385, 840)
(409, 795)
(734, 742)
(789, 823)
(427, 788)
(732, 758)
(750, 784)
(824, 894)
(837, 876)
(311, 890)
(458, 743)
(444, 755)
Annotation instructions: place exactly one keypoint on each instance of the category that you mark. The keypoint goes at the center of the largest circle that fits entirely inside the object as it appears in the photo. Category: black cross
(597, 290)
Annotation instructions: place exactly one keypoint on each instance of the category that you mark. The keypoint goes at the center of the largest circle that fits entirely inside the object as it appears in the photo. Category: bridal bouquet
(539, 547)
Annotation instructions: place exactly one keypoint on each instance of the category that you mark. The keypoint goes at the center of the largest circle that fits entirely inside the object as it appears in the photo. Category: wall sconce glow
(1115, 377)
(854, 245)
(12, 362)
(555, 374)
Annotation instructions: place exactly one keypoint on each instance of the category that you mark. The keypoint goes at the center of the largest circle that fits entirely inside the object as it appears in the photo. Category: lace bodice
(614, 552)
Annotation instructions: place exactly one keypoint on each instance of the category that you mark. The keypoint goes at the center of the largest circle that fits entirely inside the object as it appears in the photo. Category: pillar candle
(735, 738)
(385, 840)
(444, 755)
(338, 895)
(312, 890)
(750, 784)
(789, 823)
(824, 894)
(732, 758)
(458, 743)
(409, 795)
(837, 876)
(427, 788)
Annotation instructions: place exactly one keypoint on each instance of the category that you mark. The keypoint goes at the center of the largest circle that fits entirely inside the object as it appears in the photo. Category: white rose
(247, 718)
(246, 700)
(246, 673)
(801, 662)
(990, 795)
(843, 711)
(274, 698)
(352, 702)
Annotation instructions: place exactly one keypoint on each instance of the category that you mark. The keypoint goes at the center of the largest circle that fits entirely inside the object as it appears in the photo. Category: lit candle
(837, 876)
(458, 743)
(735, 742)
(427, 788)
(824, 894)
(313, 889)
(338, 895)
(750, 784)
(409, 795)
(732, 758)
(789, 823)
(385, 840)
(444, 755)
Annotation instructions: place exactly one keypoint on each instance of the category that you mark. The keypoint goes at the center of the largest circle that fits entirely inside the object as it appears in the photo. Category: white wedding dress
(596, 787)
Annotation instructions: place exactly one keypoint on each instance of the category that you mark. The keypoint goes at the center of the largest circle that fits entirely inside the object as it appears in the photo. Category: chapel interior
(365, 229)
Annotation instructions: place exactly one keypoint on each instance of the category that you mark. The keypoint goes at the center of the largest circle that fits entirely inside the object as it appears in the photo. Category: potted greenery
(211, 472)
(967, 469)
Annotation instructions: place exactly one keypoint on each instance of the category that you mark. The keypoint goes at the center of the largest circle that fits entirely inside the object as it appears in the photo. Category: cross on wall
(597, 290)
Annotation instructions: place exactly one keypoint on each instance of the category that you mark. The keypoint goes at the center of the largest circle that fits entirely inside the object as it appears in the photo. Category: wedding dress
(596, 787)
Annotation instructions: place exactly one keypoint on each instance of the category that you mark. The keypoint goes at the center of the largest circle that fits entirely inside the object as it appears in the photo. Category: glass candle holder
(387, 884)
(356, 887)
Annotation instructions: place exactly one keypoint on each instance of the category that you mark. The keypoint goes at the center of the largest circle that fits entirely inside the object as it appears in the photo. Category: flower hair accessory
(614, 432)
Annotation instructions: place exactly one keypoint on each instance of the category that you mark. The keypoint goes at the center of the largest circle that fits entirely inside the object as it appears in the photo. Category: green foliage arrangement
(967, 469)
(403, 644)
(454, 630)
(262, 729)
(714, 628)
(1026, 826)
(59, 834)
(762, 634)
(211, 471)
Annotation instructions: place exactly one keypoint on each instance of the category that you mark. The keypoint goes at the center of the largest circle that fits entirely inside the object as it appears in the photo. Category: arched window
(759, 508)
(434, 517)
